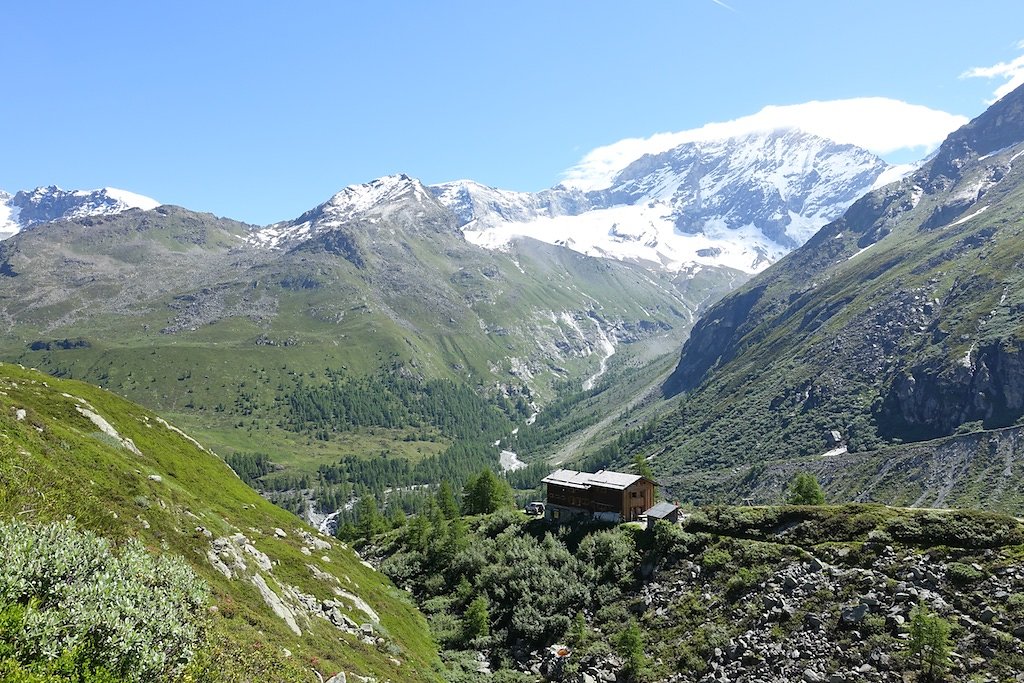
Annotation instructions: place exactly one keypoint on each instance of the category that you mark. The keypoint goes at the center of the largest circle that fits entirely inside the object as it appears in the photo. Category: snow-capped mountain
(392, 200)
(741, 202)
(45, 204)
(489, 207)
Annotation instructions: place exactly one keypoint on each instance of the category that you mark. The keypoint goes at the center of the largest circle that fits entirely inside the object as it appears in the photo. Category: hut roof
(662, 510)
(605, 479)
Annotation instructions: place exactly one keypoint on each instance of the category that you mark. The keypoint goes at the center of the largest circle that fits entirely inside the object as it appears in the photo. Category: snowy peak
(46, 204)
(376, 194)
(395, 201)
(741, 202)
(786, 183)
(479, 206)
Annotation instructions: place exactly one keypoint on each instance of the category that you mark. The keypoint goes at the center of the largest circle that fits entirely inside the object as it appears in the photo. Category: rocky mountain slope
(739, 203)
(897, 322)
(45, 204)
(287, 604)
(382, 263)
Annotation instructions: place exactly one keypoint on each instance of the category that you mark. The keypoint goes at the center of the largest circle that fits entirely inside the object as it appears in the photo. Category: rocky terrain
(842, 613)
(980, 470)
(772, 593)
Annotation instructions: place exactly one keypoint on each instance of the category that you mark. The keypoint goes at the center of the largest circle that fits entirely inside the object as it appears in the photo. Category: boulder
(854, 615)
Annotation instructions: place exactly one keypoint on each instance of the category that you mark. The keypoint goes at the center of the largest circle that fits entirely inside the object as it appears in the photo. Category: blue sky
(259, 111)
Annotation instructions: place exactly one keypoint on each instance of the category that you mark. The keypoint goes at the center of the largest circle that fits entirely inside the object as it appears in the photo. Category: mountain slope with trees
(365, 327)
(898, 322)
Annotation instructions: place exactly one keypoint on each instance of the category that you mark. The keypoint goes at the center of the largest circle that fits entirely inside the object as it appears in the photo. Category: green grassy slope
(175, 497)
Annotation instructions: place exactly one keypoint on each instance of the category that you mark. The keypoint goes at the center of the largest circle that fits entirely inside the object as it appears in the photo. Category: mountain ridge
(45, 204)
(740, 202)
(737, 203)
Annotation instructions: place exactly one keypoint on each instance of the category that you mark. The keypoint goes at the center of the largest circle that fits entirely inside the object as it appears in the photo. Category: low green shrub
(956, 528)
(69, 602)
(1015, 604)
(715, 559)
(740, 583)
(963, 574)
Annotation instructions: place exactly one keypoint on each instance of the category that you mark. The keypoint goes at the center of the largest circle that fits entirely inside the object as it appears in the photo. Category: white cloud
(1011, 72)
(879, 124)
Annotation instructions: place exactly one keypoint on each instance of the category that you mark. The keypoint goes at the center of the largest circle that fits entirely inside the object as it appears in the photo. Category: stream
(605, 344)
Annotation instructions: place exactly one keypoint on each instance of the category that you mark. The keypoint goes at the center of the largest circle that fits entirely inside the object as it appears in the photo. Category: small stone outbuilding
(666, 511)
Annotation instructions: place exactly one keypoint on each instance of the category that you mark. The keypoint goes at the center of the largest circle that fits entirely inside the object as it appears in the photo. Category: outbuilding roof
(662, 510)
(584, 480)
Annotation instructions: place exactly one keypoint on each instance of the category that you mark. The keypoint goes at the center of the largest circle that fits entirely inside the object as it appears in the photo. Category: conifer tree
(643, 468)
(419, 532)
(368, 521)
(477, 622)
(446, 500)
(929, 642)
(804, 489)
(486, 493)
(630, 644)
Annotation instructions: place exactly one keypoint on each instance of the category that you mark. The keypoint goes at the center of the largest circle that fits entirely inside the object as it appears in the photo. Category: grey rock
(854, 615)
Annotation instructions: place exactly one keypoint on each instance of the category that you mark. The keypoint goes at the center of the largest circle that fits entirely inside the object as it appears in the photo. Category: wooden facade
(603, 495)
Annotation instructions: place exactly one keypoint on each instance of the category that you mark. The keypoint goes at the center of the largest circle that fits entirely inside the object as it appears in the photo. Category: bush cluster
(72, 606)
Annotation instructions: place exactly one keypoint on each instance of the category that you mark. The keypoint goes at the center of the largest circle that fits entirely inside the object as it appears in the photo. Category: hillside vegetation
(786, 593)
(284, 602)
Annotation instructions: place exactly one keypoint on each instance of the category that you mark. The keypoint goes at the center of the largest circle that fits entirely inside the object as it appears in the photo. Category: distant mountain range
(739, 203)
(45, 204)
